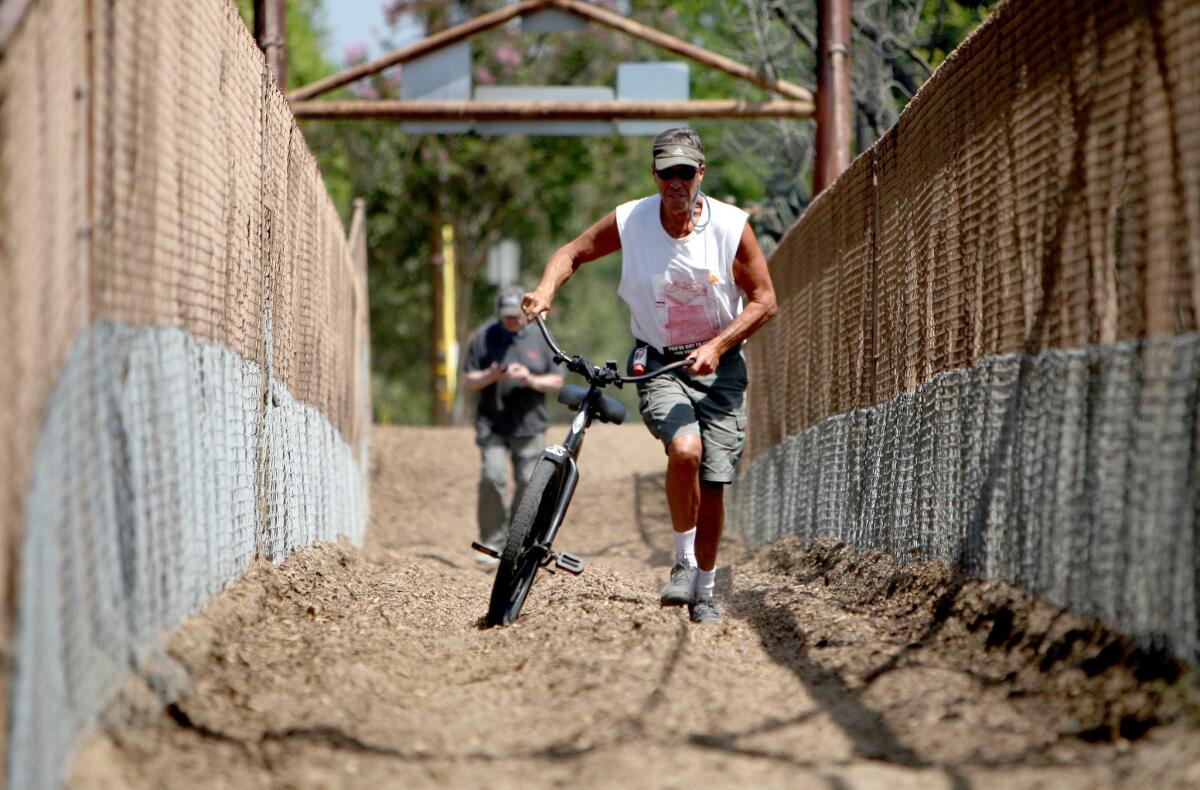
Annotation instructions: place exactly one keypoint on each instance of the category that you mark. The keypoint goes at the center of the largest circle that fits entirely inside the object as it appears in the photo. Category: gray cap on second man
(508, 301)
(679, 146)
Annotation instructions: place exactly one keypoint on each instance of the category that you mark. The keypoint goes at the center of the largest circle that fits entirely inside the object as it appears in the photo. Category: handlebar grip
(639, 360)
(664, 369)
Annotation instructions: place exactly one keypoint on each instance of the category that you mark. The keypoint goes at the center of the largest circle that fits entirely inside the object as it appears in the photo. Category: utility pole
(833, 92)
(270, 31)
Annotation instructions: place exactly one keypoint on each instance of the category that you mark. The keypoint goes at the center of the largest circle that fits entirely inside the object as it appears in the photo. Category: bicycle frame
(529, 546)
(566, 455)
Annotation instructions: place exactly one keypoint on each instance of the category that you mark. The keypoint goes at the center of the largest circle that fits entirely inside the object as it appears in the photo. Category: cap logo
(679, 151)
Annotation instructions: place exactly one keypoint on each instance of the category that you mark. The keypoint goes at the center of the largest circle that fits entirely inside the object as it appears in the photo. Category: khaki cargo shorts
(713, 407)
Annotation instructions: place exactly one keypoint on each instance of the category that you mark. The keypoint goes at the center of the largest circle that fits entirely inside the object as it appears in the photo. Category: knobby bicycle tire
(518, 565)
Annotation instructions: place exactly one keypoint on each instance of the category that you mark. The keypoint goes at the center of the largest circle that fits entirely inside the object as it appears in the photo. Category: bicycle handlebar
(686, 362)
(559, 354)
(601, 376)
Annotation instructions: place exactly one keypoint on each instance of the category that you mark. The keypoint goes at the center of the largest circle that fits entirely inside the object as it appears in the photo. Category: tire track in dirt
(349, 668)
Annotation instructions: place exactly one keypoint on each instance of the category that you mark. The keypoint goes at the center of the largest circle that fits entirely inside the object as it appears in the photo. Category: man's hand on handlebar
(705, 359)
(536, 303)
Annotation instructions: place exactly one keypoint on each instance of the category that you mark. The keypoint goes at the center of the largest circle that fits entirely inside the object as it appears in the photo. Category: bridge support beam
(550, 111)
(270, 31)
(833, 92)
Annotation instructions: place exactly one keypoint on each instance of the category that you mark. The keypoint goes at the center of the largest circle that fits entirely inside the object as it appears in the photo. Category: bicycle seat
(611, 410)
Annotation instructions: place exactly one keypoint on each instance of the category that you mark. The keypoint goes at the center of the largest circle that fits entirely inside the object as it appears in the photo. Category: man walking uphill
(510, 366)
(687, 261)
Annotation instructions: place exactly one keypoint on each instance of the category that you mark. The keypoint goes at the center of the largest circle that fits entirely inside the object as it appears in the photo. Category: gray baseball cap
(508, 301)
(678, 146)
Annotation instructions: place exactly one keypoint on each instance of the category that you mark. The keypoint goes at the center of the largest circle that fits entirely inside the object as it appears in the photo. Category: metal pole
(281, 44)
(833, 92)
(449, 339)
(437, 348)
(270, 31)
(547, 110)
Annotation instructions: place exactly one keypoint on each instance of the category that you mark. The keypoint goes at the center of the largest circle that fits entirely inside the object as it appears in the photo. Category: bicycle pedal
(482, 549)
(571, 563)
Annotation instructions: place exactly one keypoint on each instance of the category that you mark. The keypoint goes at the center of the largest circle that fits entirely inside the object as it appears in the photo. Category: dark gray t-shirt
(505, 407)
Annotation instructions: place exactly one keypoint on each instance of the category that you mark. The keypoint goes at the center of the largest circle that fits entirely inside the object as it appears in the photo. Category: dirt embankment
(367, 668)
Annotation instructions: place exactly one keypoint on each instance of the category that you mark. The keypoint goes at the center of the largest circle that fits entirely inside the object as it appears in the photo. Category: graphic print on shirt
(687, 307)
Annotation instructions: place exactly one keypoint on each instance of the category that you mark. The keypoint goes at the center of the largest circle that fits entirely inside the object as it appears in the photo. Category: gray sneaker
(682, 587)
(705, 611)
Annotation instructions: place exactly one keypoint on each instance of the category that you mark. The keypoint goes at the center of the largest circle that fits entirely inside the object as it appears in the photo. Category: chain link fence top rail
(186, 332)
(987, 347)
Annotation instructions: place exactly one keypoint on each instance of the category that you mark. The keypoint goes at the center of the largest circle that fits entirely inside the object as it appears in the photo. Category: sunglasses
(682, 172)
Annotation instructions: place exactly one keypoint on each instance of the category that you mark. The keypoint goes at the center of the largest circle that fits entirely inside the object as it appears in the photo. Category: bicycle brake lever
(580, 365)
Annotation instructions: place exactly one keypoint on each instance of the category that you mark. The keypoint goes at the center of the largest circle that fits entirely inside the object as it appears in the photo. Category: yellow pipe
(449, 324)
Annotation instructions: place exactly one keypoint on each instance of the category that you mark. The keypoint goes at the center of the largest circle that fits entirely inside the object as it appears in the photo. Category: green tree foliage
(542, 191)
(895, 45)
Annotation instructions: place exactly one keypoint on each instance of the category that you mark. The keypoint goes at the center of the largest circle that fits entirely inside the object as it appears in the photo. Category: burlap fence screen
(987, 349)
(184, 333)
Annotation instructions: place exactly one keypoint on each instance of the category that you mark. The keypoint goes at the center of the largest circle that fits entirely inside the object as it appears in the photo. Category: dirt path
(367, 669)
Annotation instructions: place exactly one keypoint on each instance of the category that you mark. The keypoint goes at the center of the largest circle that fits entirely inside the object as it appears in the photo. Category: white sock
(705, 585)
(685, 547)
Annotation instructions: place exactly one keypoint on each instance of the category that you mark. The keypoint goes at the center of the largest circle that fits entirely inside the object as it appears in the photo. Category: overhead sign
(444, 75)
(651, 82)
(552, 21)
(504, 263)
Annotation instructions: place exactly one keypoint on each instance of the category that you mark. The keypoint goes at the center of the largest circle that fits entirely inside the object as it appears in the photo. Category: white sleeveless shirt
(680, 292)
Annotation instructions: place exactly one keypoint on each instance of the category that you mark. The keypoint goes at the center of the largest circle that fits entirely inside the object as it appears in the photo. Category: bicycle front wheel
(521, 557)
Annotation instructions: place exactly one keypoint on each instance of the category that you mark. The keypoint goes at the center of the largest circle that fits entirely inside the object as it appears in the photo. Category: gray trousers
(494, 509)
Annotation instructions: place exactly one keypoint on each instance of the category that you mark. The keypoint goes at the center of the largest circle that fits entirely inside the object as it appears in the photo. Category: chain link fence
(987, 349)
(185, 329)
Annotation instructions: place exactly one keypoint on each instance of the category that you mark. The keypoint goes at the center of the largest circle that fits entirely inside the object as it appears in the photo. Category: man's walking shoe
(682, 587)
(705, 611)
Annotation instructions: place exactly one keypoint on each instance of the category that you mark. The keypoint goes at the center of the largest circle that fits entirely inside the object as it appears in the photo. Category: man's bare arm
(482, 379)
(752, 276)
(599, 240)
(545, 382)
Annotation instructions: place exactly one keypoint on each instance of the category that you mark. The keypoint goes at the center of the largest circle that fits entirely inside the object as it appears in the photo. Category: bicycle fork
(569, 472)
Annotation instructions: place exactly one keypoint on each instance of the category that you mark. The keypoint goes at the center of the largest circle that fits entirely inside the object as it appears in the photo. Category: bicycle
(543, 507)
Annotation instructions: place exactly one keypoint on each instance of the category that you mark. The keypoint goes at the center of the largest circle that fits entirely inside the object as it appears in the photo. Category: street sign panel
(552, 21)
(504, 263)
(444, 75)
(651, 82)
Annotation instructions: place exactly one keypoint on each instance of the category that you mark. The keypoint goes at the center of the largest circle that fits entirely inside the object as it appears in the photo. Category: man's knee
(489, 479)
(493, 470)
(685, 452)
(525, 456)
